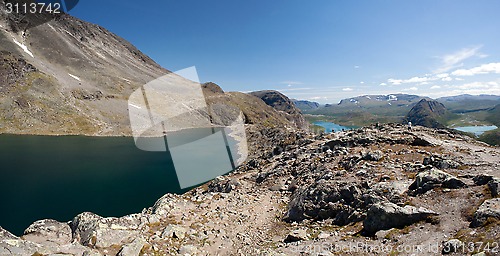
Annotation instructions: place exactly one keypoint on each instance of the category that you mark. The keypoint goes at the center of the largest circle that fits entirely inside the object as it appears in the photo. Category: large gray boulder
(326, 199)
(50, 232)
(429, 179)
(490, 209)
(97, 232)
(386, 215)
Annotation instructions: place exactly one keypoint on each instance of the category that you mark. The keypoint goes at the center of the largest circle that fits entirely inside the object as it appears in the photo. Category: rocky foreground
(373, 191)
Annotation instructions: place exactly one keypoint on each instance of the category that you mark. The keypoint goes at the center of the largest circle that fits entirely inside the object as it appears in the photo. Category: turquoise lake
(46, 177)
(477, 130)
(329, 126)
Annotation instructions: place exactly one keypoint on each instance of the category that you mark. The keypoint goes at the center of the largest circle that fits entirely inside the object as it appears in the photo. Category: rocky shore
(376, 190)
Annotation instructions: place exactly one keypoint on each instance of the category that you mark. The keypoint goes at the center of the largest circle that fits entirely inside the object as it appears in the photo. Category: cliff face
(427, 113)
(379, 186)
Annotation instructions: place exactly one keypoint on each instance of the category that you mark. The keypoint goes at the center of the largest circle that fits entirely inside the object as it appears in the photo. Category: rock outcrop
(383, 216)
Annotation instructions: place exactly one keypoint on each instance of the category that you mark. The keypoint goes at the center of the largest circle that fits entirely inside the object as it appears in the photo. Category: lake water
(477, 130)
(59, 177)
(329, 126)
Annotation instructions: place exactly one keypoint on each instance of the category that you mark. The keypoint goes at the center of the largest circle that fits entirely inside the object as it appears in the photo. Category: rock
(440, 163)
(429, 179)
(48, 231)
(451, 246)
(323, 235)
(326, 199)
(383, 216)
(489, 209)
(174, 231)
(296, 235)
(132, 249)
(480, 180)
(373, 156)
(223, 185)
(493, 186)
(188, 250)
(94, 231)
(165, 204)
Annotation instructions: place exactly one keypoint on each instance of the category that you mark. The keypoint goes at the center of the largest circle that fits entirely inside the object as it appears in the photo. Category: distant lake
(46, 177)
(477, 130)
(329, 126)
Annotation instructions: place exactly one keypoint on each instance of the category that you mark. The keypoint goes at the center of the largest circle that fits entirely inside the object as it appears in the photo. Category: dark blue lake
(60, 177)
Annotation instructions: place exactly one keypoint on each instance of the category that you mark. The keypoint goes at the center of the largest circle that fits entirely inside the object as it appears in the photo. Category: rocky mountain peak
(427, 113)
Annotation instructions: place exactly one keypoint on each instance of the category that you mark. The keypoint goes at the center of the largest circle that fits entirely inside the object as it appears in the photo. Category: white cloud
(356, 67)
(447, 79)
(290, 83)
(459, 79)
(455, 59)
(383, 84)
(435, 87)
(361, 82)
(410, 89)
(483, 69)
(347, 89)
(479, 85)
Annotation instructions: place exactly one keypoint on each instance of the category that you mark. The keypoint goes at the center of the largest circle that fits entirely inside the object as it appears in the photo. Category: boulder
(296, 235)
(489, 209)
(326, 199)
(174, 231)
(373, 155)
(440, 162)
(223, 185)
(94, 231)
(429, 179)
(386, 215)
(48, 232)
(132, 249)
(493, 186)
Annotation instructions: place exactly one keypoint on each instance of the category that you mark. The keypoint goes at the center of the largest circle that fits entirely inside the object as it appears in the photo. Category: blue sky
(317, 50)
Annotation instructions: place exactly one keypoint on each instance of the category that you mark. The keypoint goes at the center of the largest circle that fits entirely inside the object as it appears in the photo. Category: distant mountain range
(367, 109)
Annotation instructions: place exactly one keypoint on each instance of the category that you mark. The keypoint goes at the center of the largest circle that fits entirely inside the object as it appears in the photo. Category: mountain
(469, 103)
(368, 109)
(282, 103)
(428, 113)
(68, 76)
(305, 105)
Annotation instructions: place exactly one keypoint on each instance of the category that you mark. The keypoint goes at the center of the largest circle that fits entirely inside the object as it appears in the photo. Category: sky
(318, 50)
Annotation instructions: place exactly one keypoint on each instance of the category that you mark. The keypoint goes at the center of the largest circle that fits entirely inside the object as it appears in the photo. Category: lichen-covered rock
(429, 179)
(488, 209)
(48, 231)
(383, 216)
(133, 249)
(94, 231)
(223, 185)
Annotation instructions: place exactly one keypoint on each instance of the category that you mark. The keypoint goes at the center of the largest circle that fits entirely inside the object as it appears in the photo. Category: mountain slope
(282, 103)
(68, 76)
(428, 113)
